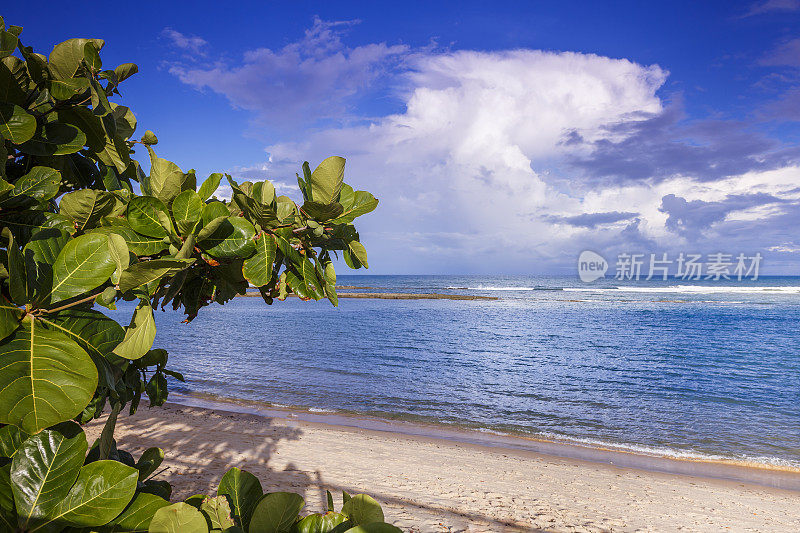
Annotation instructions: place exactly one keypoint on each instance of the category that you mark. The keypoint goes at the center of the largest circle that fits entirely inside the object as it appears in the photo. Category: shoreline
(433, 484)
(741, 471)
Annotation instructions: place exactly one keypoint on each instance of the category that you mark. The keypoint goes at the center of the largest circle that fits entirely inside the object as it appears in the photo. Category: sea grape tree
(83, 226)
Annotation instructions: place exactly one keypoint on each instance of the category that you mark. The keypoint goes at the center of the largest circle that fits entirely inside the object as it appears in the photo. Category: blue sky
(500, 138)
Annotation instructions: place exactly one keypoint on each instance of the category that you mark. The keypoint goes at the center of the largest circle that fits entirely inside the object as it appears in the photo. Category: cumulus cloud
(665, 145)
(513, 160)
(476, 146)
(305, 81)
(689, 218)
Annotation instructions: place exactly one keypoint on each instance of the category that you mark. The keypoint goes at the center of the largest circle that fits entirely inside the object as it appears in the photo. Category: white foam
(658, 451)
(693, 289)
(494, 288)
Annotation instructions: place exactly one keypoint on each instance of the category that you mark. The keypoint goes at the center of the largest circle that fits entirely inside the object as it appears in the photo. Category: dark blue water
(706, 369)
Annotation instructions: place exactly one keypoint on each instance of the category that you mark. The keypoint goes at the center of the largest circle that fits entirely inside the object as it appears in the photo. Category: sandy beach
(429, 484)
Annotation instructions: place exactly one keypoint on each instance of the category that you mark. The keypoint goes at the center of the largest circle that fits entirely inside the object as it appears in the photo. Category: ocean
(671, 368)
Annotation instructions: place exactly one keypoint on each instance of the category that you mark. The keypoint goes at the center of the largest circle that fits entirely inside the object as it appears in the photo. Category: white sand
(427, 484)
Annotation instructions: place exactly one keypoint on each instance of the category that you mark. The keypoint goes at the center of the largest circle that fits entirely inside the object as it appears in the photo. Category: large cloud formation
(515, 160)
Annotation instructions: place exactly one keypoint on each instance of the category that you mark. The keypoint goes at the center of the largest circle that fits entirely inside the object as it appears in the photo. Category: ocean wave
(503, 288)
(675, 453)
(693, 289)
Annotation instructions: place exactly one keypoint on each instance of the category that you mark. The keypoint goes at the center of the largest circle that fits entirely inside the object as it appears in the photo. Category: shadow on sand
(197, 458)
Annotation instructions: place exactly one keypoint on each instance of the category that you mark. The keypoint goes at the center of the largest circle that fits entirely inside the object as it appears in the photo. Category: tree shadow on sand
(197, 456)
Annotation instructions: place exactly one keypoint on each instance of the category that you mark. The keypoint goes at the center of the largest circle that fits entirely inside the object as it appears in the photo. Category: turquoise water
(704, 369)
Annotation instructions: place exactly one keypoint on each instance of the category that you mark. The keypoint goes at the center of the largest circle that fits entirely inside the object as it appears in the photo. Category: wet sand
(430, 483)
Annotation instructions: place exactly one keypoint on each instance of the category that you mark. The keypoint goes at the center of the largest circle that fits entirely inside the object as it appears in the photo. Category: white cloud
(473, 152)
(303, 82)
(189, 43)
(773, 6)
(477, 173)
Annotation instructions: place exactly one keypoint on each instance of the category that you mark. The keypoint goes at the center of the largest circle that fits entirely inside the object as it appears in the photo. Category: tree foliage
(82, 226)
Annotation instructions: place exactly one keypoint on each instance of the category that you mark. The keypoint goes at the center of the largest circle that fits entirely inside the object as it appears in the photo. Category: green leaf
(358, 250)
(312, 282)
(8, 42)
(36, 65)
(91, 56)
(8, 518)
(276, 512)
(257, 202)
(82, 265)
(281, 236)
(16, 124)
(146, 215)
(326, 180)
(44, 469)
(66, 57)
(233, 238)
(258, 269)
(86, 206)
(101, 492)
(118, 249)
(362, 509)
(125, 71)
(66, 89)
(347, 197)
(305, 185)
(149, 138)
(150, 460)
(218, 512)
(178, 518)
(138, 244)
(209, 186)
(362, 203)
(322, 212)
(329, 278)
(124, 121)
(139, 335)
(87, 122)
(11, 438)
(214, 210)
(47, 378)
(92, 330)
(146, 271)
(40, 254)
(244, 490)
(166, 178)
(17, 275)
(115, 153)
(139, 513)
(186, 209)
(10, 90)
(55, 138)
(285, 208)
(41, 183)
(298, 285)
(320, 523)
(23, 224)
